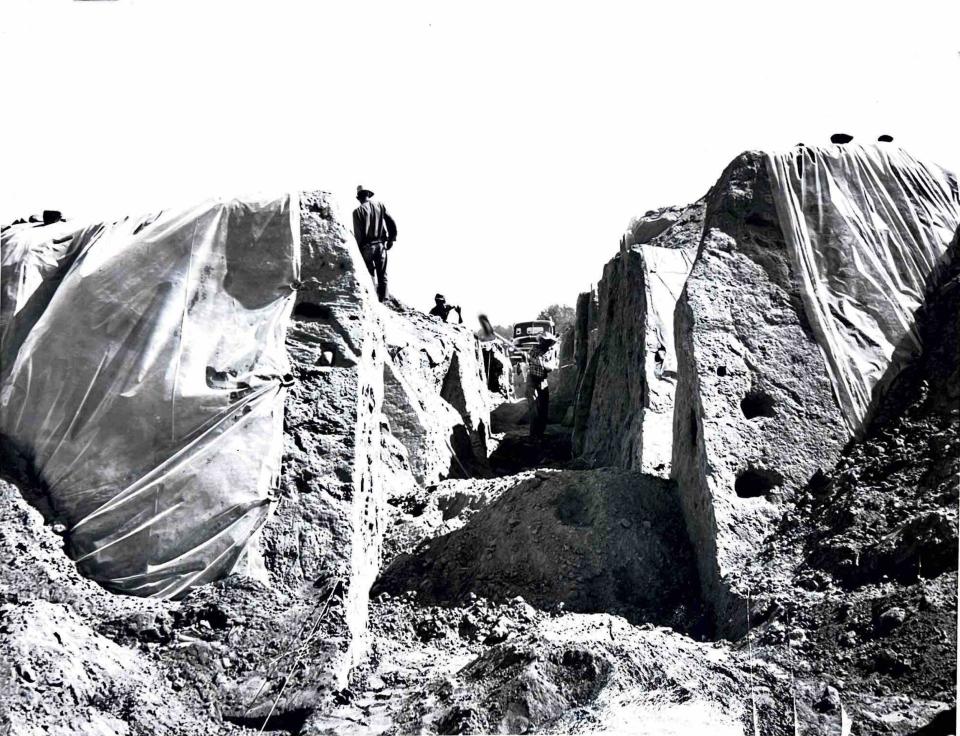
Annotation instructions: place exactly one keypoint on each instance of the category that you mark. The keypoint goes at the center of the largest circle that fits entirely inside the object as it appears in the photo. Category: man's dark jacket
(373, 224)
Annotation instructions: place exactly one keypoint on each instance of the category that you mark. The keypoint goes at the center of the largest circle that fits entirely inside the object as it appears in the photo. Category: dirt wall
(755, 416)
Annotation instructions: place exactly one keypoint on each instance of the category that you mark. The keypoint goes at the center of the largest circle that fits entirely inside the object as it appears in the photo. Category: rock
(437, 396)
(829, 700)
(890, 619)
(178, 330)
(889, 661)
(644, 229)
(332, 431)
(499, 633)
(459, 719)
(26, 672)
(627, 378)
(468, 626)
(428, 629)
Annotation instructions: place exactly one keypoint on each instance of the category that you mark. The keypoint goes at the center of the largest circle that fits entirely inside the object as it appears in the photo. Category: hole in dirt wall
(758, 404)
(757, 482)
(308, 311)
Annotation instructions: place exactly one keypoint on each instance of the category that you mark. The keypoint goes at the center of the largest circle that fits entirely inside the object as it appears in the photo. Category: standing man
(375, 232)
(442, 310)
(541, 361)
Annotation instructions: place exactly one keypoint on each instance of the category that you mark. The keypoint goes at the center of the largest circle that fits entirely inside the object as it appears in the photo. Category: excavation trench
(364, 473)
(599, 540)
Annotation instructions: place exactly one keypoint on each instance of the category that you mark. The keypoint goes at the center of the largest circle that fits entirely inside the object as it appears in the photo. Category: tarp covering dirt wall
(148, 394)
(665, 272)
(866, 226)
(27, 254)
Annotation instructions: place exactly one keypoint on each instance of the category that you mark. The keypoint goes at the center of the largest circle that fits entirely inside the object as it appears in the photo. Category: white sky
(512, 141)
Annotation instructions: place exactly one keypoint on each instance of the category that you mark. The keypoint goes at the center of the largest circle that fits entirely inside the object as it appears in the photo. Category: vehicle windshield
(528, 329)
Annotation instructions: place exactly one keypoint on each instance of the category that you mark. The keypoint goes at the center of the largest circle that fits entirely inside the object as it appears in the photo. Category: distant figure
(540, 362)
(841, 138)
(375, 232)
(442, 310)
(659, 358)
(885, 138)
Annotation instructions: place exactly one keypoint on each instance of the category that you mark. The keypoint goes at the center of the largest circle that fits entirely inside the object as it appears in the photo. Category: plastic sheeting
(665, 273)
(148, 392)
(29, 254)
(866, 227)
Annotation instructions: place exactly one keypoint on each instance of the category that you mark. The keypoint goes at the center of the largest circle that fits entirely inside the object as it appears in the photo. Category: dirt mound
(601, 540)
(62, 672)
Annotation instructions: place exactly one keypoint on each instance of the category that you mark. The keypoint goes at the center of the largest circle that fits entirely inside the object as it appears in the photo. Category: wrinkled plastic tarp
(665, 273)
(148, 392)
(29, 254)
(866, 227)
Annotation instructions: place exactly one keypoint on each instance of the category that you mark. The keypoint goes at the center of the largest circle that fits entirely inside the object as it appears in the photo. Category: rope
(753, 697)
(300, 653)
(272, 664)
(466, 474)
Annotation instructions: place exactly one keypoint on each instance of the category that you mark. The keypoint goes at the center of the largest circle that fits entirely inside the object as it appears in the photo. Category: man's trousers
(538, 404)
(375, 258)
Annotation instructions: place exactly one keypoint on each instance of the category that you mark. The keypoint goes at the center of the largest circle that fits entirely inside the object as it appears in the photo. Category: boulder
(611, 398)
(861, 284)
(497, 368)
(327, 527)
(438, 400)
(137, 378)
(644, 229)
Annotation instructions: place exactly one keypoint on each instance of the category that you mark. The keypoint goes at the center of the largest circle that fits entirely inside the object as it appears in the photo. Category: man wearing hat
(541, 360)
(442, 310)
(375, 232)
